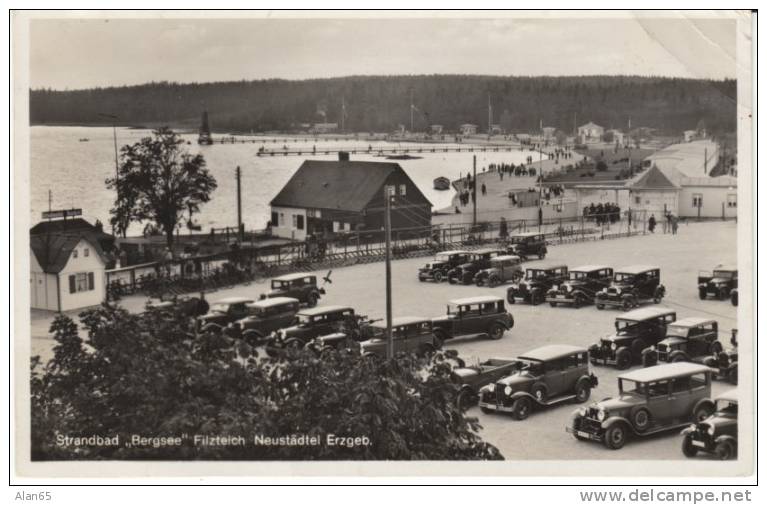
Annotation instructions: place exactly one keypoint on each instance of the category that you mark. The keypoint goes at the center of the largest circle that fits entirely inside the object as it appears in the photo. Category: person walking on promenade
(651, 223)
(484, 189)
(674, 224)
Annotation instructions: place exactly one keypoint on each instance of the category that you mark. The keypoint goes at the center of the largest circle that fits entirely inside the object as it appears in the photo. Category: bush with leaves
(150, 375)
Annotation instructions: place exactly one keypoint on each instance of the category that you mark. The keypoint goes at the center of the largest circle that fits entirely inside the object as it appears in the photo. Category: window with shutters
(86, 252)
(74, 252)
(80, 282)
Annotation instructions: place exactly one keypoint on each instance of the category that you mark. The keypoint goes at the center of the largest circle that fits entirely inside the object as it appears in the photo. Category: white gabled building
(66, 272)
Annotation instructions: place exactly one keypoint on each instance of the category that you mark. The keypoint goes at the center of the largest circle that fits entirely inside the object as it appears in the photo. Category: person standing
(484, 189)
(651, 223)
(674, 224)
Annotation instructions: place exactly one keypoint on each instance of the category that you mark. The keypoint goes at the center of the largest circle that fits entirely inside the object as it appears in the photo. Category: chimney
(343, 156)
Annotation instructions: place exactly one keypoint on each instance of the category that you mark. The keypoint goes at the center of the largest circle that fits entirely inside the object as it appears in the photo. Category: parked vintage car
(443, 262)
(315, 322)
(718, 284)
(222, 312)
(473, 316)
(718, 433)
(537, 282)
(635, 331)
(631, 287)
(581, 286)
(473, 377)
(478, 260)
(725, 362)
(528, 244)
(265, 317)
(300, 286)
(409, 335)
(502, 269)
(548, 375)
(688, 339)
(650, 400)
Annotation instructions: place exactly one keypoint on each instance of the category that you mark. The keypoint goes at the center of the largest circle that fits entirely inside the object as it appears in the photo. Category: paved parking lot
(698, 246)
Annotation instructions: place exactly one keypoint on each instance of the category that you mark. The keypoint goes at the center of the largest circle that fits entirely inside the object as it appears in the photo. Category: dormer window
(74, 253)
(86, 252)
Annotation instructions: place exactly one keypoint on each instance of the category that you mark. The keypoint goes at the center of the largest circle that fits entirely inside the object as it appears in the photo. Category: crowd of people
(602, 213)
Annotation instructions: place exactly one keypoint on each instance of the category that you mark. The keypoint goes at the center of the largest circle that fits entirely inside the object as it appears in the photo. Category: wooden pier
(388, 151)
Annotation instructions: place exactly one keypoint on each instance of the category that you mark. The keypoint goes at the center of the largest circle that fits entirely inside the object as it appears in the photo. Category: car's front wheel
(702, 293)
(734, 299)
(466, 398)
(725, 450)
(438, 277)
(615, 436)
(582, 391)
(600, 306)
(521, 408)
(688, 449)
(623, 358)
(496, 331)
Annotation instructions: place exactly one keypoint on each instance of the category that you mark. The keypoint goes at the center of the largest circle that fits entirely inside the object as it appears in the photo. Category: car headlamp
(711, 430)
(555, 287)
(613, 346)
(583, 411)
(507, 390)
(601, 414)
(652, 347)
(486, 388)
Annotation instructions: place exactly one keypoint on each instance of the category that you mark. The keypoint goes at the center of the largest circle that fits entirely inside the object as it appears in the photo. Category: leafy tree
(158, 182)
(151, 375)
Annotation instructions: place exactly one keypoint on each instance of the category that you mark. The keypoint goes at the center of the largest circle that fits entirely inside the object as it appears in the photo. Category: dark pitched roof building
(53, 250)
(332, 196)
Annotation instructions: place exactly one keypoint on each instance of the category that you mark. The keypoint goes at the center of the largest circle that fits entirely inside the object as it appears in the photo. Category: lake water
(75, 171)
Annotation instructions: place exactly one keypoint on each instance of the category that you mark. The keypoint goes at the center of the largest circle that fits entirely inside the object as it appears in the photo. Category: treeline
(381, 103)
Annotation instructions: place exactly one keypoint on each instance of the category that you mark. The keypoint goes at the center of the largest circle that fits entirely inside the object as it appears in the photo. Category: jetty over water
(387, 151)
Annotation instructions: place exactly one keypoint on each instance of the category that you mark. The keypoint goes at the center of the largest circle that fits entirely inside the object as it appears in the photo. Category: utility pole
(387, 232)
(240, 234)
(489, 115)
(411, 110)
(343, 113)
(540, 189)
(474, 191)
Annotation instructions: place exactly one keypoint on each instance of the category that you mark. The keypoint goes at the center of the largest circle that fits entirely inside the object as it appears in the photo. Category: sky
(84, 53)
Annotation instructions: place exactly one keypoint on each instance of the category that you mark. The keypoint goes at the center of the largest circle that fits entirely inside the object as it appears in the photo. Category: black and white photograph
(349, 240)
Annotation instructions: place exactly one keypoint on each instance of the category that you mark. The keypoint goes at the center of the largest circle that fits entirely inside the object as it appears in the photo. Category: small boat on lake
(441, 183)
(402, 157)
(84, 139)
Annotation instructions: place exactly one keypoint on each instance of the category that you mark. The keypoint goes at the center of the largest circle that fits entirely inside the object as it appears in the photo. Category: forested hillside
(380, 103)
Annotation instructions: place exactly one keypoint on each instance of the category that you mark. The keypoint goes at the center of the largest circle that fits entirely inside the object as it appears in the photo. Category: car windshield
(442, 257)
(630, 387)
(531, 367)
(673, 330)
(304, 318)
(219, 307)
(727, 407)
(255, 311)
(578, 276)
(280, 284)
(724, 274)
(535, 274)
(517, 240)
(624, 278)
(625, 326)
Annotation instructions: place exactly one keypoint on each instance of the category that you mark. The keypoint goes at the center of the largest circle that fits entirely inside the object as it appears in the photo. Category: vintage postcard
(383, 243)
